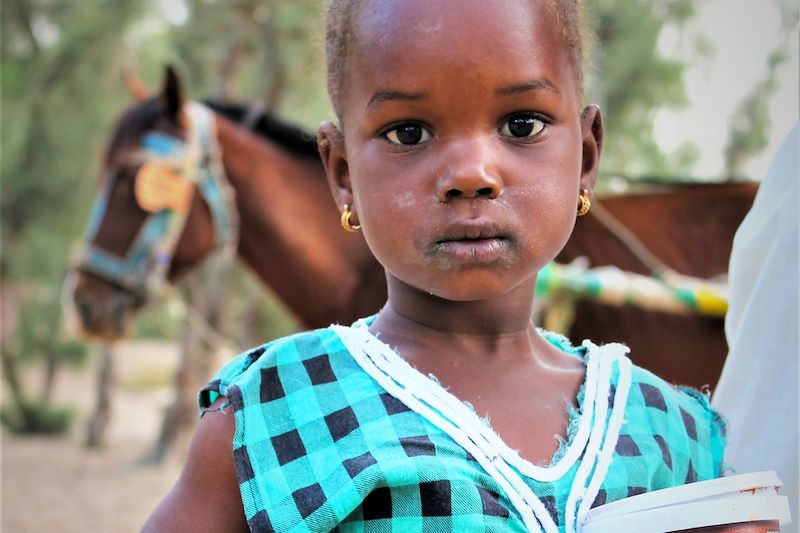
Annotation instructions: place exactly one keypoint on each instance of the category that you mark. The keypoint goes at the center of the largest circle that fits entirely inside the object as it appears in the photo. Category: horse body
(290, 233)
(290, 237)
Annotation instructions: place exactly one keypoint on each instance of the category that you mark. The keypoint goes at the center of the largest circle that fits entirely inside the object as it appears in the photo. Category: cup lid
(727, 500)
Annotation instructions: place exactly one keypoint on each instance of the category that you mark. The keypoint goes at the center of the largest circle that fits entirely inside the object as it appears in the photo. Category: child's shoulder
(650, 392)
(654, 407)
(311, 355)
(675, 423)
(649, 395)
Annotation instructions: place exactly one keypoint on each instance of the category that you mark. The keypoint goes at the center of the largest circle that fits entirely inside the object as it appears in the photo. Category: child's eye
(522, 125)
(408, 134)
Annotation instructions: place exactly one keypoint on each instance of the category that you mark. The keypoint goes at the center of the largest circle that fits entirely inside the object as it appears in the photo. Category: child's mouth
(472, 241)
(480, 249)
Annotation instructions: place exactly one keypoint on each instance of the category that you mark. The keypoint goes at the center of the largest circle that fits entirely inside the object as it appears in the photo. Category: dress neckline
(592, 444)
(568, 453)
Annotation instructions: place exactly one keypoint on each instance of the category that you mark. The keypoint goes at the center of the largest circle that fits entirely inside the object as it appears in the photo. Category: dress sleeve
(227, 375)
(679, 438)
(716, 427)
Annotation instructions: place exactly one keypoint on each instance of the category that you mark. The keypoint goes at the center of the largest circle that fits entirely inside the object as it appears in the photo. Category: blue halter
(144, 267)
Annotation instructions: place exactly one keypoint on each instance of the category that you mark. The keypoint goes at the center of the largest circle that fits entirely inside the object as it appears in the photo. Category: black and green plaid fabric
(320, 446)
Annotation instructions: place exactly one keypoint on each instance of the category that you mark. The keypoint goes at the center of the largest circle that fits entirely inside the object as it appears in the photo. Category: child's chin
(470, 292)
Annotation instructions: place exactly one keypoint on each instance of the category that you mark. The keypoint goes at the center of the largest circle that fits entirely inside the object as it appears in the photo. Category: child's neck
(413, 334)
(484, 318)
(499, 328)
(489, 354)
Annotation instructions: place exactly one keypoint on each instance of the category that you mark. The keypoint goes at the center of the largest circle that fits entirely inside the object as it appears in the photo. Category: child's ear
(592, 132)
(330, 142)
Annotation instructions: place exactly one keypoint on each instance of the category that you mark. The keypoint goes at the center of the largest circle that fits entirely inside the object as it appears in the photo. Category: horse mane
(289, 136)
(149, 114)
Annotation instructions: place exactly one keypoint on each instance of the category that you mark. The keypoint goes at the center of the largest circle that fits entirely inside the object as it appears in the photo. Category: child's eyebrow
(532, 85)
(387, 95)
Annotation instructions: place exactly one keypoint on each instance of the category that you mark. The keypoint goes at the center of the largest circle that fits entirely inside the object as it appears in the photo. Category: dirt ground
(56, 484)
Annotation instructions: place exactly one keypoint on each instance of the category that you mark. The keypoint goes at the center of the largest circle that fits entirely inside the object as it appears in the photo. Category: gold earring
(584, 202)
(345, 220)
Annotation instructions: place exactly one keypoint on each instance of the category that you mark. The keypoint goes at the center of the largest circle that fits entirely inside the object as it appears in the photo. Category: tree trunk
(272, 65)
(95, 434)
(51, 367)
(228, 70)
(179, 416)
(11, 376)
(249, 321)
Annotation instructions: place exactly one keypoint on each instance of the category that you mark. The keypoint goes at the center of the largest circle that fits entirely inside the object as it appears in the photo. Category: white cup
(742, 503)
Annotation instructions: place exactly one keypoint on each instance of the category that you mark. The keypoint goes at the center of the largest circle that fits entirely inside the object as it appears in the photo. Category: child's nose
(470, 172)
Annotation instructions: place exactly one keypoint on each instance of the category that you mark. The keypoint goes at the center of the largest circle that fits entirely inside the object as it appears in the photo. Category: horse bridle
(143, 269)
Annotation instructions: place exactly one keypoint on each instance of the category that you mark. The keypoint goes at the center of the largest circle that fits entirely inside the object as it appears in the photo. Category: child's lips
(469, 250)
(473, 241)
(471, 230)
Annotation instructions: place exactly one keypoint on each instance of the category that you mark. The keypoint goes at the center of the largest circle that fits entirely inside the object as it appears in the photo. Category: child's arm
(206, 495)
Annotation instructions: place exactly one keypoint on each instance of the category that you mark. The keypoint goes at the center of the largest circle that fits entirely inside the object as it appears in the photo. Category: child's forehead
(416, 18)
(406, 40)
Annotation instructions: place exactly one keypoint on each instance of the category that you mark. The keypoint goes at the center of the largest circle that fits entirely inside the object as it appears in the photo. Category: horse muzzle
(96, 309)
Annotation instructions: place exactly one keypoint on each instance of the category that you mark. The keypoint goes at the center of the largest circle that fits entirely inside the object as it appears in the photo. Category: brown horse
(291, 238)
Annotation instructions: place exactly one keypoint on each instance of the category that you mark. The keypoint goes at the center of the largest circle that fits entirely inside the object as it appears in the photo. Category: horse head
(163, 204)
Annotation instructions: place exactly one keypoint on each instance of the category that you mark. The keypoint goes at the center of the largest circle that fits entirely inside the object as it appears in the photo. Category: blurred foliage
(269, 52)
(39, 339)
(36, 417)
(58, 95)
(631, 79)
(750, 121)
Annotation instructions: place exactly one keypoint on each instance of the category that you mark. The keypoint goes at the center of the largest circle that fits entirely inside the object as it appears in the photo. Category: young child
(463, 156)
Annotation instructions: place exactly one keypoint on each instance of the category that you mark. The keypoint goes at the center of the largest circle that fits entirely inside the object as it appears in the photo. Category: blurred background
(692, 90)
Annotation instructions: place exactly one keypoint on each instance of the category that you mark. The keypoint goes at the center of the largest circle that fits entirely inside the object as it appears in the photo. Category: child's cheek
(403, 201)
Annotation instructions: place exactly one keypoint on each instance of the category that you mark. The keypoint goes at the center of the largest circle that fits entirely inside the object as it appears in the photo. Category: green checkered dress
(334, 431)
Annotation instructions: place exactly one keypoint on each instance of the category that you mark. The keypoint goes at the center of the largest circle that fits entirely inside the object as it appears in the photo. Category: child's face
(464, 148)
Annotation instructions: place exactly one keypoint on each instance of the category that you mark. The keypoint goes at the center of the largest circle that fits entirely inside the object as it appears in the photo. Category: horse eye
(408, 134)
(522, 125)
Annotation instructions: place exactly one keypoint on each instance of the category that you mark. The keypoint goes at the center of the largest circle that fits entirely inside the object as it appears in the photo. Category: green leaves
(631, 79)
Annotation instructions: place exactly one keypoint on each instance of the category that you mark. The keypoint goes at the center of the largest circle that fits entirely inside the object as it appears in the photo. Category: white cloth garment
(758, 389)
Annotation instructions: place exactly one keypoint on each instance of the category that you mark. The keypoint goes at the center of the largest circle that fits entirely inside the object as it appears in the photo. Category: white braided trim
(200, 122)
(429, 400)
(205, 129)
(581, 481)
(612, 436)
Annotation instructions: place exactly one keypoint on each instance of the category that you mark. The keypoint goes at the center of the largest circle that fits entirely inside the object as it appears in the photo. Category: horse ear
(135, 85)
(171, 94)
